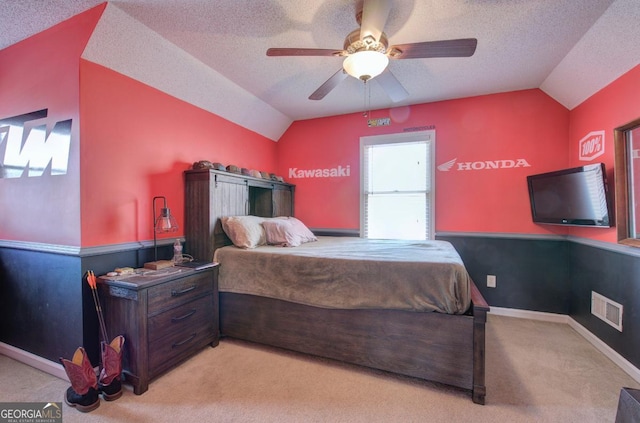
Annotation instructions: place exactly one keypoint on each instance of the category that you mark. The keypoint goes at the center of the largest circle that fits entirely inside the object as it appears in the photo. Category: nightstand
(165, 316)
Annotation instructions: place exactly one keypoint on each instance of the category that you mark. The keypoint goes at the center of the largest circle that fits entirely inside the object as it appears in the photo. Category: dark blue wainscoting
(531, 274)
(41, 307)
(557, 276)
(46, 307)
(615, 275)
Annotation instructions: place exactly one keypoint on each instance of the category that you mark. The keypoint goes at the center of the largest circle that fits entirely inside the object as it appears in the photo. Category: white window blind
(397, 186)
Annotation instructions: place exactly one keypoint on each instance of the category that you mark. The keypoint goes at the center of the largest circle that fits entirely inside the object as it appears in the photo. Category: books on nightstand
(197, 265)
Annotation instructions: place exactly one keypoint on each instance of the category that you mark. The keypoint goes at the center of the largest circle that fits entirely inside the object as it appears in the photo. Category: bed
(353, 300)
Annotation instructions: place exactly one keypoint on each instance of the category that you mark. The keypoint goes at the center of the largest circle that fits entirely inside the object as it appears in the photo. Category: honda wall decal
(25, 145)
(482, 165)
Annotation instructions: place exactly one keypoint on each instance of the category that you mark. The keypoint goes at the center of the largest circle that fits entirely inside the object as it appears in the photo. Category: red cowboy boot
(83, 392)
(109, 384)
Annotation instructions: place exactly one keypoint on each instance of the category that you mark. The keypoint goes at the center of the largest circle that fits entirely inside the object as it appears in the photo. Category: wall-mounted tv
(578, 196)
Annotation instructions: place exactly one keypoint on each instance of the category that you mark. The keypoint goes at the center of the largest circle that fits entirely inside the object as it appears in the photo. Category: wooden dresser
(165, 316)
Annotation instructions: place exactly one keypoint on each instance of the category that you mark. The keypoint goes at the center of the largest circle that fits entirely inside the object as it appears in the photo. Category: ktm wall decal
(26, 146)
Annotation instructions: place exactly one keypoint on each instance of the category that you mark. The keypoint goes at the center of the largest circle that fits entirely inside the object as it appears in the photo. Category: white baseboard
(622, 362)
(609, 352)
(533, 315)
(33, 360)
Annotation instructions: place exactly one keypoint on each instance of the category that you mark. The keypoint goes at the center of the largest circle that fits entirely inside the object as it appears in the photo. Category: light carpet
(535, 372)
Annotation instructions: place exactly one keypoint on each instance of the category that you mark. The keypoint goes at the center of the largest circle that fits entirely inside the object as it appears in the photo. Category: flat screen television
(578, 197)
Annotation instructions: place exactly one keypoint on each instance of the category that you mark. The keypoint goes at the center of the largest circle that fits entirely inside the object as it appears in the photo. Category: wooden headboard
(212, 194)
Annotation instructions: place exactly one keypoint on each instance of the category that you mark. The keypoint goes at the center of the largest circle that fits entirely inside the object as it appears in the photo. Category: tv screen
(576, 196)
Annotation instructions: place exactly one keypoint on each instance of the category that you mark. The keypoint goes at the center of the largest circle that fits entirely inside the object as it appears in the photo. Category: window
(397, 197)
(627, 180)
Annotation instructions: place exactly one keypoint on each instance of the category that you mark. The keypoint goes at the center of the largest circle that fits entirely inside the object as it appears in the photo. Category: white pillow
(245, 231)
(289, 232)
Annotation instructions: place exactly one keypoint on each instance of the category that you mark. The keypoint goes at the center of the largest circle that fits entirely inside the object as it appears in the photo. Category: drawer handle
(181, 343)
(175, 293)
(184, 316)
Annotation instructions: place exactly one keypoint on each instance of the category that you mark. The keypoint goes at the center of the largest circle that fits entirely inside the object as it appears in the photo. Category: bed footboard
(433, 346)
(480, 310)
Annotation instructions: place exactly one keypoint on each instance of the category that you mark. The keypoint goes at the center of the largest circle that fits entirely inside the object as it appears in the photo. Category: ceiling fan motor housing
(374, 51)
(353, 43)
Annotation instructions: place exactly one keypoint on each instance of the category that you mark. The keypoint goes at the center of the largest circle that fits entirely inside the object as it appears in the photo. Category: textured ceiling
(569, 48)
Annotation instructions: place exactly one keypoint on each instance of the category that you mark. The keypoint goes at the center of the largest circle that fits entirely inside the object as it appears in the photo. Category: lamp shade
(165, 222)
(365, 64)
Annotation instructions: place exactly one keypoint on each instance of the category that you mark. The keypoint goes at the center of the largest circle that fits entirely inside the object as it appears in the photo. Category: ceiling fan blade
(304, 52)
(374, 17)
(391, 86)
(329, 85)
(463, 47)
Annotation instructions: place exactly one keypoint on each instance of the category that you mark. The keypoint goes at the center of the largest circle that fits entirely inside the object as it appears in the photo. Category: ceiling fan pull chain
(367, 99)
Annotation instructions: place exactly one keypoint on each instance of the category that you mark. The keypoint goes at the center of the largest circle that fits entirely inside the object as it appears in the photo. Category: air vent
(607, 310)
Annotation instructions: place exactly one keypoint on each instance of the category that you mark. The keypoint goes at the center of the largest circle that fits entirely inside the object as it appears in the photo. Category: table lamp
(163, 223)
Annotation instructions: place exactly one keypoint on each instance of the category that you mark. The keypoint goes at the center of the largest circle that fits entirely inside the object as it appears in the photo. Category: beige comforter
(351, 273)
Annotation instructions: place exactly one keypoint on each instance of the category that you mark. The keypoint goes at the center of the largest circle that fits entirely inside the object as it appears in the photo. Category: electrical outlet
(491, 281)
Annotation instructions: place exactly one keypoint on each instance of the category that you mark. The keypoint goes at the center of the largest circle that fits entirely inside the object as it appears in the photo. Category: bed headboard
(212, 194)
(220, 238)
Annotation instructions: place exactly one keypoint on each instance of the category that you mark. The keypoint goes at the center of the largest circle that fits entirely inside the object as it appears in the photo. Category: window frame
(429, 136)
(623, 186)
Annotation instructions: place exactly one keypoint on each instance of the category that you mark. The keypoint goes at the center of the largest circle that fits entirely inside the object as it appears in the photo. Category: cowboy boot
(83, 392)
(110, 385)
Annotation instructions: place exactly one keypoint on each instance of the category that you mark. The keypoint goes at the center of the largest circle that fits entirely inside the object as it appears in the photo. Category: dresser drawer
(182, 319)
(171, 294)
(168, 351)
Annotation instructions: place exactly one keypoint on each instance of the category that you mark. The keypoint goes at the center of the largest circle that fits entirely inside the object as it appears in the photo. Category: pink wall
(526, 125)
(136, 144)
(613, 106)
(41, 72)
(129, 143)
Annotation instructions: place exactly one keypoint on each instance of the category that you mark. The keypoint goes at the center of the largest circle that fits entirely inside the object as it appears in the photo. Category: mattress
(351, 273)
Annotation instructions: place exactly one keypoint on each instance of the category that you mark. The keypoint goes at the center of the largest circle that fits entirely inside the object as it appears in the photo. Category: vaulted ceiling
(213, 52)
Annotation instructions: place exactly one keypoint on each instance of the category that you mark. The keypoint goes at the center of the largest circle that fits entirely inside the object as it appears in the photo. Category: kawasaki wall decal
(333, 172)
(25, 145)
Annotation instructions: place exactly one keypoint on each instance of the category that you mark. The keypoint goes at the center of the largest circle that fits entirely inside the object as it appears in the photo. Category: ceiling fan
(367, 52)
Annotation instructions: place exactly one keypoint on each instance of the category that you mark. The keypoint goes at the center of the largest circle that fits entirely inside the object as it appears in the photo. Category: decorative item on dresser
(166, 316)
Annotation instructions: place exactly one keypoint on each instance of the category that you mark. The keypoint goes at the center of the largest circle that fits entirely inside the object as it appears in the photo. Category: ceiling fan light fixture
(365, 64)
